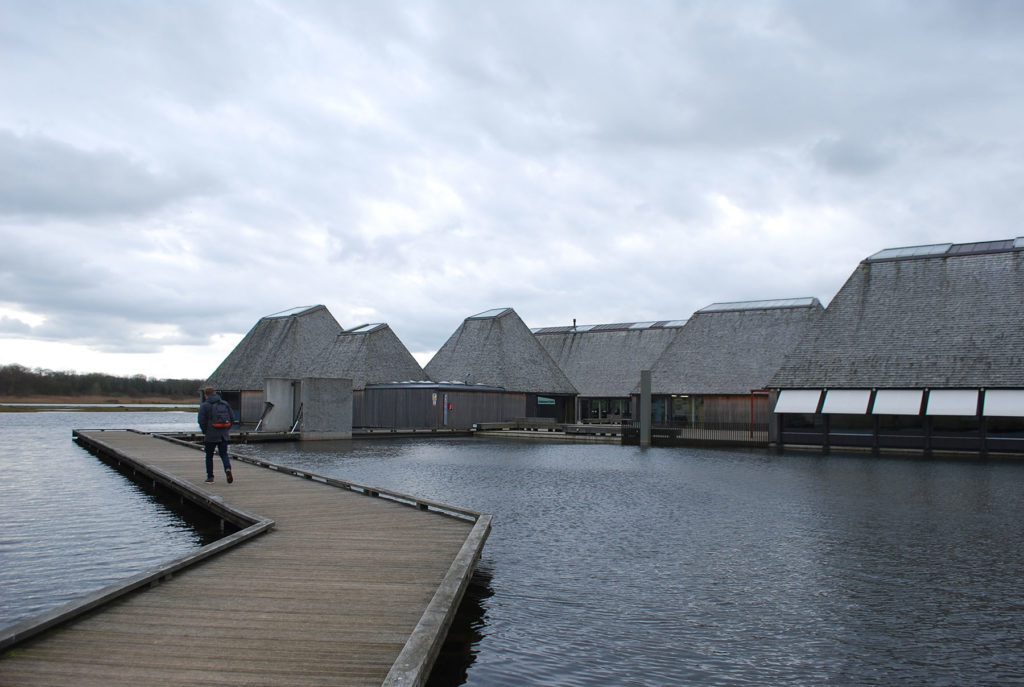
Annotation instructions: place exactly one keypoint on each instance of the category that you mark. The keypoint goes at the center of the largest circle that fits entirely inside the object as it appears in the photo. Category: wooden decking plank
(330, 596)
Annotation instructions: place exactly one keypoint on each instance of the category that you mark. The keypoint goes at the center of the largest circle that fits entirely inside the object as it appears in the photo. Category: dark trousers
(222, 448)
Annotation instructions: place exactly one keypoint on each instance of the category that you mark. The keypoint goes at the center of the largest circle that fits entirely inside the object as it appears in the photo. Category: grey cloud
(13, 326)
(426, 161)
(107, 333)
(41, 176)
(849, 156)
(91, 296)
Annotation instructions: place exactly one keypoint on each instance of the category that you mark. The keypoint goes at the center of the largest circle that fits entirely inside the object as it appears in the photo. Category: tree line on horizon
(20, 381)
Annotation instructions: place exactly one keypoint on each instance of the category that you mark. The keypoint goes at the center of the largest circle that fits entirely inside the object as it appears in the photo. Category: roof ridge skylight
(612, 327)
(294, 311)
(935, 250)
(365, 328)
(770, 304)
(488, 314)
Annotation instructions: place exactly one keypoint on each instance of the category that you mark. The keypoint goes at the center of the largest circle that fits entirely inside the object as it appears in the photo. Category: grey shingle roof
(288, 344)
(369, 354)
(602, 361)
(908, 320)
(498, 349)
(732, 348)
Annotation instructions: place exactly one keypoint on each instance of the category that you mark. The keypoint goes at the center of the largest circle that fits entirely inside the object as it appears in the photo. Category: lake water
(68, 523)
(612, 565)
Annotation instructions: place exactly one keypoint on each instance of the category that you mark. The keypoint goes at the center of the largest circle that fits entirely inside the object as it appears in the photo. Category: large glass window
(850, 424)
(686, 409)
(659, 410)
(606, 409)
(912, 425)
(802, 421)
(1010, 427)
(954, 425)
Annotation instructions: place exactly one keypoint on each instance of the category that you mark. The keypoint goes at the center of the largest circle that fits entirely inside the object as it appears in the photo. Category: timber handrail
(397, 497)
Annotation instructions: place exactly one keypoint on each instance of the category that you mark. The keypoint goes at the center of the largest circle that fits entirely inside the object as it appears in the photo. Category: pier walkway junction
(322, 586)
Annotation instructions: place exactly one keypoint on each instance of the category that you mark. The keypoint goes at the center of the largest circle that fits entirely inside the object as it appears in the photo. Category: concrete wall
(326, 408)
(281, 393)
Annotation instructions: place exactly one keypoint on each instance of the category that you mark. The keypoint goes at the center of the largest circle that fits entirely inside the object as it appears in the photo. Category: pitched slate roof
(369, 354)
(606, 360)
(947, 315)
(731, 348)
(286, 344)
(497, 348)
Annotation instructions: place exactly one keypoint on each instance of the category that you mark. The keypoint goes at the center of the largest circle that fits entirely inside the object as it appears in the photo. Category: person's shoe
(209, 480)
(230, 478)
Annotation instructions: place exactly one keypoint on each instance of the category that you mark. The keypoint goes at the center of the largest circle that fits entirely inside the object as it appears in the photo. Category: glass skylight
(363, 328)
(487, 314)
(293, 311)
(911, 252)
(761, 305)
(617, 326)
(981, 247)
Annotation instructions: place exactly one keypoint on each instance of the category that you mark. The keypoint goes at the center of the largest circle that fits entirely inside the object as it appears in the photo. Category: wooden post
(645, 408)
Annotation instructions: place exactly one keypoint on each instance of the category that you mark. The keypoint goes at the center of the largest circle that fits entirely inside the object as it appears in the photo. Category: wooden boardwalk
(342, 590)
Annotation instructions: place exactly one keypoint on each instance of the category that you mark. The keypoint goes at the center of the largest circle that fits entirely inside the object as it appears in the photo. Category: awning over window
(847, 401)
(798, 401)
(1004, 403)
(897, 402)
(962, 402)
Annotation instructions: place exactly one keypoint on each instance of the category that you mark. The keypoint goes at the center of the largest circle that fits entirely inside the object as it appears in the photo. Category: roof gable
(369, 354)
(498, 349)
(946, 320)
(606, 361)
(287, 344)
(732, 350)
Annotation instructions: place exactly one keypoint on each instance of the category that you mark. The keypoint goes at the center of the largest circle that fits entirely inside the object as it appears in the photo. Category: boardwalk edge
(414, 663)
(253, 526)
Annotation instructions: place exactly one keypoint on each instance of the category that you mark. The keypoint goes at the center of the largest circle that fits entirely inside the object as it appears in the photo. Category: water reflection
(68, 523)
(467, 631)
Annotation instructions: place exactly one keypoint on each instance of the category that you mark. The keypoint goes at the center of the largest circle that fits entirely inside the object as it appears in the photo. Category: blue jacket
(213, 435)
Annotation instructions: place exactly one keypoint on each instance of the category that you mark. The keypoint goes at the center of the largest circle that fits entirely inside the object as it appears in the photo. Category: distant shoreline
(15, 404)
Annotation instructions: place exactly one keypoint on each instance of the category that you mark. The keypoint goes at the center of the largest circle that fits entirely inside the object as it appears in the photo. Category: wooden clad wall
(252, 406)
(735, 409)
(402, 408)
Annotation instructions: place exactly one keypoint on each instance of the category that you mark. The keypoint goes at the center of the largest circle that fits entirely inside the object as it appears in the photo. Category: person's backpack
(220, 413)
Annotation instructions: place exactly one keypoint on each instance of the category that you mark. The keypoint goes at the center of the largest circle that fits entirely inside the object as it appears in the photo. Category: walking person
(215, 418)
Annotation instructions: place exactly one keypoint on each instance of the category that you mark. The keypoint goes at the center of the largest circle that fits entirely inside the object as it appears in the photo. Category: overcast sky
(170, 172)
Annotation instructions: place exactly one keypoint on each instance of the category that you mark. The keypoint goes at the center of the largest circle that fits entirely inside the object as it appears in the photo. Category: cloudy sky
(170, 172)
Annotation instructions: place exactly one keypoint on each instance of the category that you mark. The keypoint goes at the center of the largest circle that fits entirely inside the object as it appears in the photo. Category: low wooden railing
(700, 433)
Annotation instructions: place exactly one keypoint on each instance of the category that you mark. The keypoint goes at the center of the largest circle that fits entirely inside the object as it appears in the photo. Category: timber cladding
(423, 407)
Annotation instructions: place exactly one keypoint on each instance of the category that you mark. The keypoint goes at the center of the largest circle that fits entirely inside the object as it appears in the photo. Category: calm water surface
(69, 524)
(612, 565)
